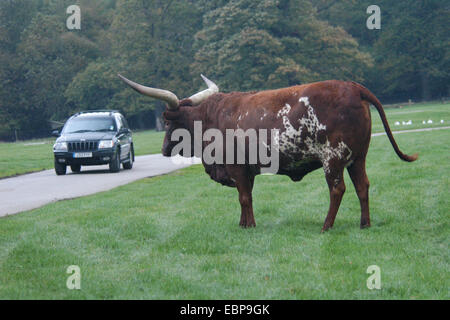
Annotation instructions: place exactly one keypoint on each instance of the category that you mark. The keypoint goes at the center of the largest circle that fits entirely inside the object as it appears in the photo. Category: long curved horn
(205, 94)
(159, 94)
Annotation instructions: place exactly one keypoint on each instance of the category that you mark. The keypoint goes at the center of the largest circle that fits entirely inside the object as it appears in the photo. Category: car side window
(124, 121)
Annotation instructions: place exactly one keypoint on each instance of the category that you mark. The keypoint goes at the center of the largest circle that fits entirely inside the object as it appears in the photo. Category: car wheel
(114, 165)
(60, 169)
(129, 164)
(75, 168)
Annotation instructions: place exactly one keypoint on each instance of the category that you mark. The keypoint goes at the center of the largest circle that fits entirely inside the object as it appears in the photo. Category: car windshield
(79, 125)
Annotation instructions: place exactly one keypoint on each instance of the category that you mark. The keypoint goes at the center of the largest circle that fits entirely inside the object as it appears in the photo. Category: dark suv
(94, 138)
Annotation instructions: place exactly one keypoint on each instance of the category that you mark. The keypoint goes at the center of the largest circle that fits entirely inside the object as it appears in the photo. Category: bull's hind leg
(357, 172)
(335, 180)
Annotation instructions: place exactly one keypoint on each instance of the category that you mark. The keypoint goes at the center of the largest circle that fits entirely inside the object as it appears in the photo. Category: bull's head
(175, 116)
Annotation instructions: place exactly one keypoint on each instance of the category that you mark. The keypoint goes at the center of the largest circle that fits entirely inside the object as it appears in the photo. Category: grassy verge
(25, 156)
(177, 237)
(148, 142)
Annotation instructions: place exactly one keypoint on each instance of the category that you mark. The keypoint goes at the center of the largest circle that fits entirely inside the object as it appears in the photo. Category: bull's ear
(186, 103)
(171, 115)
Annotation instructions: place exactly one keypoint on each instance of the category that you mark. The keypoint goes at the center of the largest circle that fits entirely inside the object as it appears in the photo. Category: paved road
(34, 190)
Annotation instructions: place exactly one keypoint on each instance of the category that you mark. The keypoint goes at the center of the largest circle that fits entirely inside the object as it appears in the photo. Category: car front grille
(83, 146)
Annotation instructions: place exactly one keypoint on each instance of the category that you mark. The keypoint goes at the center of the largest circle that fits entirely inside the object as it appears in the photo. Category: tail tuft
(412, 158)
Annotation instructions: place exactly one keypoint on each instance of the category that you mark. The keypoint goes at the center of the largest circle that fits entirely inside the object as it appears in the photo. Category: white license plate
(82, 155)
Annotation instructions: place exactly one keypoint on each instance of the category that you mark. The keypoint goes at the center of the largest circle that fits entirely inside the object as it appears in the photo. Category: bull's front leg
(244, 183)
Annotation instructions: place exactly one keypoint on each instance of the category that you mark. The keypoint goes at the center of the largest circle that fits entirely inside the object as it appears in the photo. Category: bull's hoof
(326, 227)
(247, 225)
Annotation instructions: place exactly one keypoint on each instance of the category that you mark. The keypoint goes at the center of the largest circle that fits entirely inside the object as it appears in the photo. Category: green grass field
(28, 156)
(177, 236)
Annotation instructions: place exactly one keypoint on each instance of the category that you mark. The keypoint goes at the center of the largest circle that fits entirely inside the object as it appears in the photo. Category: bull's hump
(276, 97)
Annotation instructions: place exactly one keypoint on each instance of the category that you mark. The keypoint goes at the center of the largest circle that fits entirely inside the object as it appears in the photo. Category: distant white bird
(397, 123)
(423, 122)
(403, 123)
(409, 123)
(442, 121)
(430, 121)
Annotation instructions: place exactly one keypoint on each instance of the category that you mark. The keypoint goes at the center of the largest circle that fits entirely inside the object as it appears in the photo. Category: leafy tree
(15, 15)
(51, 57)
(411, 50)
(41, 59)
(266, 44)
(150, 42)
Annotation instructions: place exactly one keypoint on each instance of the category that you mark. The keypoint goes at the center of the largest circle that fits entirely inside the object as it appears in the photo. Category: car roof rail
(100, 110)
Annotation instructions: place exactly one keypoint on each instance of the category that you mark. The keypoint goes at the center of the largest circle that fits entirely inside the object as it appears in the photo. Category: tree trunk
(426, 95)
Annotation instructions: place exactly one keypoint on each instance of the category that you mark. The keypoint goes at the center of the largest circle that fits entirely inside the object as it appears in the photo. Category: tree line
(48, 72)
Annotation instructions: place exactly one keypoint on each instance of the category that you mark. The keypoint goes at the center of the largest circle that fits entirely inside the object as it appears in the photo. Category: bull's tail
(370, 97)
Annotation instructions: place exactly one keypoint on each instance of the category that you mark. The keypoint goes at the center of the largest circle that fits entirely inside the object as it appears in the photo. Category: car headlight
(105, 144)
(60, 146)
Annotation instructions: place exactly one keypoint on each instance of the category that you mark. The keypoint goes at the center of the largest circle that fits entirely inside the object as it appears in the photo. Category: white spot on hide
(305, 100)
(284, 111)
(289, 141)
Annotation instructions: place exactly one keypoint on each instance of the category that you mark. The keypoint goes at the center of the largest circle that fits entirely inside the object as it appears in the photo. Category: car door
(124, 137)
(128, 134)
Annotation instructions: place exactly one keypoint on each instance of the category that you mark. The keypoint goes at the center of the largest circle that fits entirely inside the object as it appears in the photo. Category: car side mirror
(124, 130)
(55, 133)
